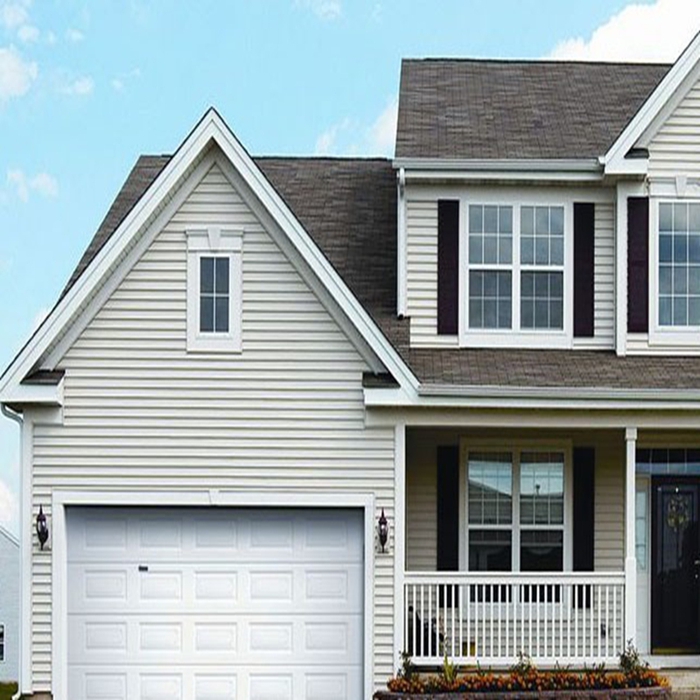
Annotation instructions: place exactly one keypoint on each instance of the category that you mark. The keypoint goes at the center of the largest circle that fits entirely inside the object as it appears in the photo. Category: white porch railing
(489, 618)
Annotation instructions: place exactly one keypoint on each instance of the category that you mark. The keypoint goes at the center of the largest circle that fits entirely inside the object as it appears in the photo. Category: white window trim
(665, 335)
(516, 337)
(216, 242)
(563, 446)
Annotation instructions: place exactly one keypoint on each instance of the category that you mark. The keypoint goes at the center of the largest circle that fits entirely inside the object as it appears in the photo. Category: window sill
(228, 344)
(516, 339)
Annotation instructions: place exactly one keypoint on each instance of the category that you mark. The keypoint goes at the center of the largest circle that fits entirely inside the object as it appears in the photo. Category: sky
(87, 86)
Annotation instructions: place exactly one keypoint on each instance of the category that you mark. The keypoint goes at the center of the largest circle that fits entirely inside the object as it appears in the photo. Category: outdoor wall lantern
(42, 528)
(383, 530)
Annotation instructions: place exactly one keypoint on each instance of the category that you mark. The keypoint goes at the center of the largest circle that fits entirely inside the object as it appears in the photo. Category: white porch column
(399, 537)
(630, 554)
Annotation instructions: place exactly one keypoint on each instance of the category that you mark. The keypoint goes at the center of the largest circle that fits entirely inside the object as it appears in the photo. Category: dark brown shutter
(448, 267)
(638, 264)
(584, 519)
(584, 232)
(448, 508)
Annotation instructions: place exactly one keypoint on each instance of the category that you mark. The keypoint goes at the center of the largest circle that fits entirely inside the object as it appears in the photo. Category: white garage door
(212, 604)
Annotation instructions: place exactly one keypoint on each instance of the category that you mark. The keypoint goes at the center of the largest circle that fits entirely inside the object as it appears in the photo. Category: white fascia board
(564, 170)
(23, 394)
(211, 128)
(9, 537)
(615, 157)
(445, 396)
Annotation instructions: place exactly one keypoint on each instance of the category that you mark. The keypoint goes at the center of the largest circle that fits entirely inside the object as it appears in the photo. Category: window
(2, 642)
(515, 510)
(679, 265)
(515, 281)
(214, 290)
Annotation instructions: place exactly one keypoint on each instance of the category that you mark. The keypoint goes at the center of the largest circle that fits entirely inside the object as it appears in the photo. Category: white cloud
(79, 86)
(74, 35)
(9, 506)
(323, 9)
(39, 318)
(350, 137)
(119, 82)
(655, 32)
(28, 33)
(16, 74)
(51, 38)
(42, 183)
(14, 14)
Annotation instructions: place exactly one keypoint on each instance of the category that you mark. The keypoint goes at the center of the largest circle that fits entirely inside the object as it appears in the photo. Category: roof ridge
(532, 61)
(346, 159)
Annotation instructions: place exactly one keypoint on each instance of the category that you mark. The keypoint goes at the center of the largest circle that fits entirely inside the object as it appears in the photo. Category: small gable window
(214, 295)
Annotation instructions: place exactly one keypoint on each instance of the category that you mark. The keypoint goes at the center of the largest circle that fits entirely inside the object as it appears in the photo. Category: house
(492, 340)
(9, 606)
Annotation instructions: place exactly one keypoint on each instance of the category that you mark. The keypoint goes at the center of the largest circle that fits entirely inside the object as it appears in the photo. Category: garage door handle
(143, 568)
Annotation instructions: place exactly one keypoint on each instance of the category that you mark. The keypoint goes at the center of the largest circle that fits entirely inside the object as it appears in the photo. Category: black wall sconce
(42, 528)
(383, 530)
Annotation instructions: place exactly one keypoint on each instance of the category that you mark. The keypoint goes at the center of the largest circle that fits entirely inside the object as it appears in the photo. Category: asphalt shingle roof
(348, 207)
(479, 109)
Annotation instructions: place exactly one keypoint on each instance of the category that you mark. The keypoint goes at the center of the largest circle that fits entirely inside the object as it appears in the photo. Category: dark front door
(675, 585)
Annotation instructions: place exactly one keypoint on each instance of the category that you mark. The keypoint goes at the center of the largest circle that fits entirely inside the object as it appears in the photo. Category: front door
(675, 586)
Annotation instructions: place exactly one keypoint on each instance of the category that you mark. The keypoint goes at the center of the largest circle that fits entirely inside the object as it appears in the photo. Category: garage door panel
(191, 588)
(319, 639)
(197, 604)
(255, 683)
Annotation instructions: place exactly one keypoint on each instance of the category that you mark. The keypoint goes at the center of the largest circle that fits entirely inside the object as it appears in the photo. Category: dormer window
(214, 290)
(515, 283)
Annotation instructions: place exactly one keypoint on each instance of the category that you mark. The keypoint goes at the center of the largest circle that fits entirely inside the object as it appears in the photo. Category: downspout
(401, 247)
(8, 413)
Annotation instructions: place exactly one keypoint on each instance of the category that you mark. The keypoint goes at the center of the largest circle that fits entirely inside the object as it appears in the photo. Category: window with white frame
(515, 267)
(214, 290)
(678, 264)
(2, 643)
(515, 510)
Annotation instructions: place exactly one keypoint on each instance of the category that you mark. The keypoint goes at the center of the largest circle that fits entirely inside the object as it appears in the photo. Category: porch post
(399, 537)
(630, 555)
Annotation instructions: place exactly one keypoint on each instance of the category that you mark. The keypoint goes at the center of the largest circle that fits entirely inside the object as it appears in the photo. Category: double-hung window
(214, 290)
(678, 269)
(515, 284)
(515, 509)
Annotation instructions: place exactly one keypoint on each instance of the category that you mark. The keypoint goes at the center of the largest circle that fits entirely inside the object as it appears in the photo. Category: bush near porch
(7, 690)
(634, 679)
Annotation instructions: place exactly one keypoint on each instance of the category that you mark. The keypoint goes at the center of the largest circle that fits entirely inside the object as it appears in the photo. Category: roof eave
(577, 169)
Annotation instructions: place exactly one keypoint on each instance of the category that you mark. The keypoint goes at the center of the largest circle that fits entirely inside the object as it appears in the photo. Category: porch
(533, 542)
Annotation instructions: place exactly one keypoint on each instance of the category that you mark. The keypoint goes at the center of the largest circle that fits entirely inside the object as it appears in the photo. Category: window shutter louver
(638, 264)
(584, 269)
(448, 508)
(448, 267)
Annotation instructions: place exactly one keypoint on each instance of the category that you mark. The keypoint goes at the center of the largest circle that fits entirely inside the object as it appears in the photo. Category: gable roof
(6, 534)
(348, 207)
(483, 109)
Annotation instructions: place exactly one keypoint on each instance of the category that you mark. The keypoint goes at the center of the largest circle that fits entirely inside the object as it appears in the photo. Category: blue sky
(85, 87)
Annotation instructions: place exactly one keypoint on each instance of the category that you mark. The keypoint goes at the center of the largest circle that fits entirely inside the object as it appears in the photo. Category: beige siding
(675, 148)
(286, 415)
(421, 273)
(603, 281)
(421, 491)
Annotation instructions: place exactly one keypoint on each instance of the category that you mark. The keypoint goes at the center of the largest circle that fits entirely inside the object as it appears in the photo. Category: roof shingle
(479, 109)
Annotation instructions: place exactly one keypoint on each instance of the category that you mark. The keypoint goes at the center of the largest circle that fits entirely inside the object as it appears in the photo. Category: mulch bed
(619, 694)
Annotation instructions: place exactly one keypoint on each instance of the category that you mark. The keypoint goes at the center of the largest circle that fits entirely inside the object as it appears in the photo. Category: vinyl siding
(603, 281)
(9, 606)
(286, 414)
(675, 148)
(421, 491)
(421, 270)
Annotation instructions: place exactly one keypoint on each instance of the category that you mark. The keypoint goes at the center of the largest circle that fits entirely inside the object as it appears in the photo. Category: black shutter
(448, 267)
(584, 233)
(448, 508)
(584, 519)
(638, 264)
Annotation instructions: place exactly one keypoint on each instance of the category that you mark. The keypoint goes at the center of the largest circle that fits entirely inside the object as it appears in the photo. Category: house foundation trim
(205, 497)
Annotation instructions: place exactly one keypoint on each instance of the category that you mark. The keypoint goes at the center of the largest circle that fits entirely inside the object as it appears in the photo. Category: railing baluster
(576, 613)
(415, 605)
(460, 588)
(469, 621)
